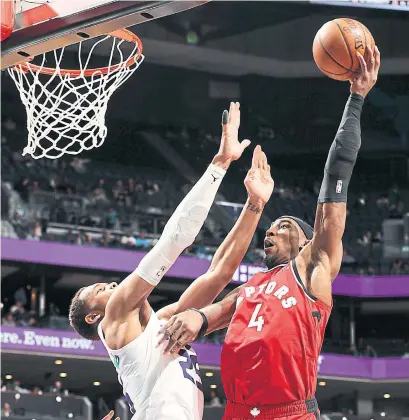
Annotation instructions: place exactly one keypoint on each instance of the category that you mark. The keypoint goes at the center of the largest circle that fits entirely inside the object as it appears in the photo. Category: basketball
(335, 46)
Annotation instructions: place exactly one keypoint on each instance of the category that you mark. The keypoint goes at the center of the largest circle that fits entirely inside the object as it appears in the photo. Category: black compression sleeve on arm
(342, 154)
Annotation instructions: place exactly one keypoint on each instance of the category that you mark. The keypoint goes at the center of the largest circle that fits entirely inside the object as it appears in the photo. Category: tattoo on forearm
(254, 208)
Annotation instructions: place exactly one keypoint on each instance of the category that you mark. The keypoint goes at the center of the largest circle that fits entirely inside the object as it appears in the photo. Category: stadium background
(75, 221)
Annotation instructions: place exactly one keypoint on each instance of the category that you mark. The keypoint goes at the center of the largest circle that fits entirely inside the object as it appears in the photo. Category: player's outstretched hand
(368, 76)
(230, 146)
(110, 415)
(259, 183)
(180, 330)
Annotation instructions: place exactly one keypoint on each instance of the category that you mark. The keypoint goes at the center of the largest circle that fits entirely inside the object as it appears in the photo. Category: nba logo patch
(338, 189)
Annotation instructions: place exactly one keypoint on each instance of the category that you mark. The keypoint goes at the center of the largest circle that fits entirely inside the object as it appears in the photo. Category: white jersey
(158, 386)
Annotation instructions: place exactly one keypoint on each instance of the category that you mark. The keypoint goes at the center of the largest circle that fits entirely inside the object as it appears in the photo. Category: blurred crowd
(14, 385)
(95, 203)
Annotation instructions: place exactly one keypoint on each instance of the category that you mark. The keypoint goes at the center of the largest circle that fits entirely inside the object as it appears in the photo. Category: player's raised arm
(323, 258)
(112, 304)
(230, 253)
(183, 227)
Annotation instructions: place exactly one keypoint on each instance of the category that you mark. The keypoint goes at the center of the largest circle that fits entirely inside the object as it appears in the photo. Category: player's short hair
(78, 311)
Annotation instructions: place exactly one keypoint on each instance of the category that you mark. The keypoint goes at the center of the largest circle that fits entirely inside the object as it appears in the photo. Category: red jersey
(270, 354)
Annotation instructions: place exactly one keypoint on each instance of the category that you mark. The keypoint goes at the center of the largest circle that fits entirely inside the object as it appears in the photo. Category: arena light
(209, 374)
(97, 383)
(387, 396)
(58, 362)
(383, 414)
(213, 386)
(322, 383)
(9, 376)
(58, 399)
(63, 375)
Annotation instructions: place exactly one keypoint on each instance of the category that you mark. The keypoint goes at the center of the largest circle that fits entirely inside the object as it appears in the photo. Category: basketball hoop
(65, 107)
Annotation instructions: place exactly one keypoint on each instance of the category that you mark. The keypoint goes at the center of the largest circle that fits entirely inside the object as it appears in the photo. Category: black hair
(77, 313)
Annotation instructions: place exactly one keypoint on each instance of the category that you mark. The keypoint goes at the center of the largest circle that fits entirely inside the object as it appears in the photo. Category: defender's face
(98, 294)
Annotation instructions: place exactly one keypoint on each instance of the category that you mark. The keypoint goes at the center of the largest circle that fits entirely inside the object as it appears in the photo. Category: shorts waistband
(266, 412)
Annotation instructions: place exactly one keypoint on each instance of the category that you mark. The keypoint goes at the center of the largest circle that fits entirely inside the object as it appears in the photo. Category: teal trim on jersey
(115, 361)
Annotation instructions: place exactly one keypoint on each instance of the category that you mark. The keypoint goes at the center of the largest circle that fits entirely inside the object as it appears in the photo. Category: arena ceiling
(220, 19)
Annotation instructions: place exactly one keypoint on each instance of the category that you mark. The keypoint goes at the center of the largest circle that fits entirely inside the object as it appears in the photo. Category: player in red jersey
(277, 320)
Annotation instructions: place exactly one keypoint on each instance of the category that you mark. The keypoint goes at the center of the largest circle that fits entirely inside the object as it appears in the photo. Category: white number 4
(254, 321)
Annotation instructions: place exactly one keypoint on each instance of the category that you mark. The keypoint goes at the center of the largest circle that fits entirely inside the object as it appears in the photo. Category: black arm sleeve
(342, 154)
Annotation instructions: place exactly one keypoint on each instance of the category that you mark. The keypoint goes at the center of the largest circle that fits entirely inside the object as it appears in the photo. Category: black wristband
(205, 324)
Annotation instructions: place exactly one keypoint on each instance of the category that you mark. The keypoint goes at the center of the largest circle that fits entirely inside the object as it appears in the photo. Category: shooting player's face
(282, 242)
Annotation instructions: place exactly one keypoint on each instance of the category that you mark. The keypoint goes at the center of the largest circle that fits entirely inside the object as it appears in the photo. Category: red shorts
(299, 410)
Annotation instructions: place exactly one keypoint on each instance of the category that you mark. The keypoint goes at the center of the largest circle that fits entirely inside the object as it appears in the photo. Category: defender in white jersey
(161, 386)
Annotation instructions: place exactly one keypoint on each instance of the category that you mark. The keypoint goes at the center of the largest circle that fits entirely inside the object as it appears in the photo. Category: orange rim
(123, 34)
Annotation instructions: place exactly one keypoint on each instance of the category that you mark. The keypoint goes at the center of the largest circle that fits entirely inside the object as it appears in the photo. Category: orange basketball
(335, 47)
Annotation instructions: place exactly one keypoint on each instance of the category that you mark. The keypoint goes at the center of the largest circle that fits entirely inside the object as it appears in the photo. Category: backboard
(36, 26)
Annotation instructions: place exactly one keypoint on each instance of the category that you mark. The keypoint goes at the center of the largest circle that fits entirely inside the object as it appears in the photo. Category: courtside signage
(68, 343)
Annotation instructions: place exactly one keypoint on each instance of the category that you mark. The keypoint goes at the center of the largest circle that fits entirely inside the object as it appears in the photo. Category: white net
(66, 109)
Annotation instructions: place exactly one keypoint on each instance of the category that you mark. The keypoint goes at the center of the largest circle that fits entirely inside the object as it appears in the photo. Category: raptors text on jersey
(272, 346)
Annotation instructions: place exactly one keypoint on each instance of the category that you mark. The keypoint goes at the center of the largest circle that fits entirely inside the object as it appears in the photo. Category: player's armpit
(129, 296)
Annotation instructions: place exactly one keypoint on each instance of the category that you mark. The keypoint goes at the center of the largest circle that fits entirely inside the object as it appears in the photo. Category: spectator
(18, 388)
(6, 411)
(9, 320)
(131, 186)
(366, 239)
(37, 391)
(89, 240)
(78, 165)
(36, 232)
(106, 239)
(347, 258)
(142, 241)
(371, 271)
(214, 400)
(18, 313)
(34, 187)
(32, 322)
(121, 197)
(112, 219)
(117, 188)
(396, 269)
(394, 212)
(98, 196)
(22, 187)
(58, 389)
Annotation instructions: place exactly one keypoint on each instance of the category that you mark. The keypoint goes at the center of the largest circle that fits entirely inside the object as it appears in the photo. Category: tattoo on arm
(254, 208)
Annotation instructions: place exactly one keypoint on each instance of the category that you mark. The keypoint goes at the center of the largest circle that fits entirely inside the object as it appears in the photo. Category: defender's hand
(370, 64)
(110, 415)
(230, 147)
(180, 330)
(259, 183)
